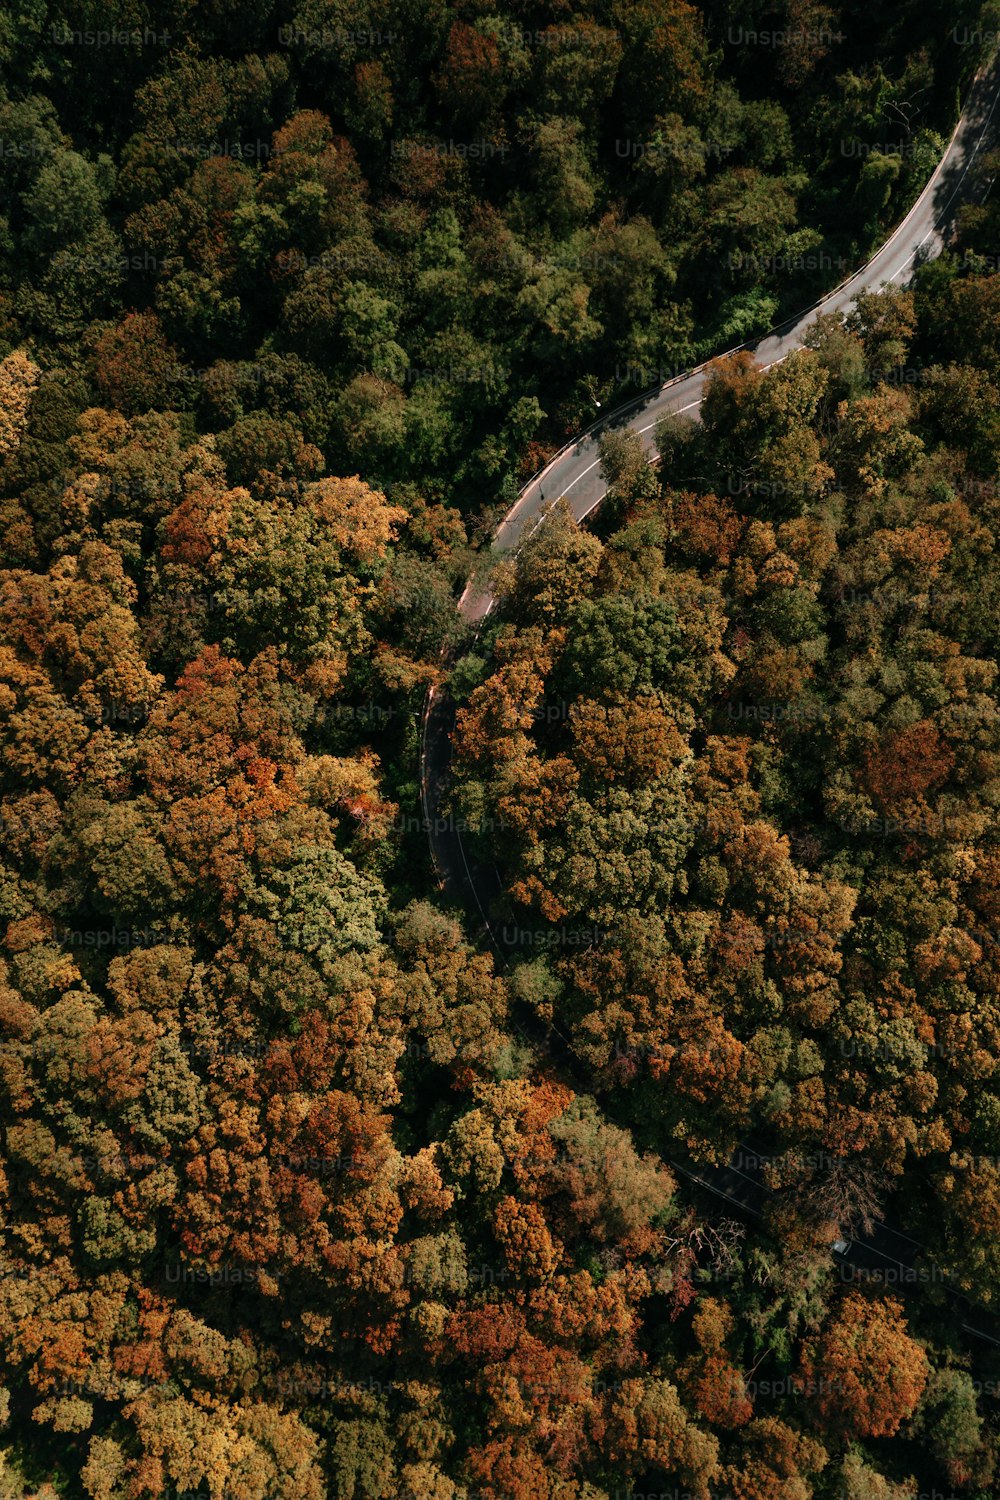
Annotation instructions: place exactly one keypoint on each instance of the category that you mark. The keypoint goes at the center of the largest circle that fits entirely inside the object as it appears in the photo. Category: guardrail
(814, 309)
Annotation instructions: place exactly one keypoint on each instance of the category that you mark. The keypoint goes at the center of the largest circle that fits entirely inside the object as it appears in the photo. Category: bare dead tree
(843, 1191)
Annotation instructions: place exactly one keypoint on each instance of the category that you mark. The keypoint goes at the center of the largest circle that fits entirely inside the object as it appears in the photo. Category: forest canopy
(309, 1188)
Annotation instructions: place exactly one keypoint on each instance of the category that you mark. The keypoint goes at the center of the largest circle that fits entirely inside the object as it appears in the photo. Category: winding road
(574, 473)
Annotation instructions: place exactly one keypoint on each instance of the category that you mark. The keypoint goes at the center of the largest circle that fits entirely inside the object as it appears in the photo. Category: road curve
(574, 473)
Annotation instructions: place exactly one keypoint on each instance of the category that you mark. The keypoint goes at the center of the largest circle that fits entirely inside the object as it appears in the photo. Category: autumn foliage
(318, 1178)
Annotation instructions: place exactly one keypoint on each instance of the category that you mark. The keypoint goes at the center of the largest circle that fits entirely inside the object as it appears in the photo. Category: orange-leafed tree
(866, 1373)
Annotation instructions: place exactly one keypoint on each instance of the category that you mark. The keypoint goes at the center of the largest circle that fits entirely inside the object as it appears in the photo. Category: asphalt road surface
(575, 471)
